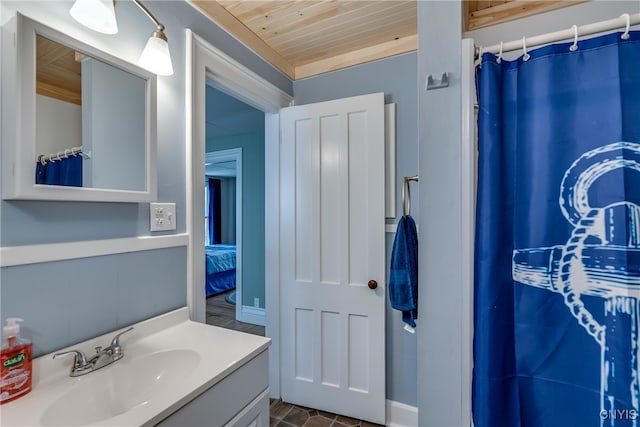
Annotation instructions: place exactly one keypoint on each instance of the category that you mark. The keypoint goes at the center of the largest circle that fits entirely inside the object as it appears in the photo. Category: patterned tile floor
(287, 415)
(221, 313)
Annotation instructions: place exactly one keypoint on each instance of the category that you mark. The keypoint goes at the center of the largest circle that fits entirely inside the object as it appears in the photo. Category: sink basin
(120, 387)
(168, 362)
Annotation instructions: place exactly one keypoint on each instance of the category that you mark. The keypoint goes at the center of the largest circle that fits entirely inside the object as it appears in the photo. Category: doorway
(207, 64)
(235, 207)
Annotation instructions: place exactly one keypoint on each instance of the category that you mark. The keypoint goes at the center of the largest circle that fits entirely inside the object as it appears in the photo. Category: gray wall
(72, 294)
(439, 337)
(395, 77)
(252, 210)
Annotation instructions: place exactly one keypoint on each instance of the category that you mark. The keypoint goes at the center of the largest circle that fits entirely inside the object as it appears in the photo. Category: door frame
(205, 63)
(234, 154)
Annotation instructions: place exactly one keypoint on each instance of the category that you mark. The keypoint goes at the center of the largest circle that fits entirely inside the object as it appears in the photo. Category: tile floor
(221, 313)
(287, 415)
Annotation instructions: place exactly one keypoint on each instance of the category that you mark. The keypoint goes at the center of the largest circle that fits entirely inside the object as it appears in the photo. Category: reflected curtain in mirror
(63, 171)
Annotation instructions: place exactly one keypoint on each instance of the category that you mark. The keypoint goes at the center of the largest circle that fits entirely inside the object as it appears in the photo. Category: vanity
(174, 372)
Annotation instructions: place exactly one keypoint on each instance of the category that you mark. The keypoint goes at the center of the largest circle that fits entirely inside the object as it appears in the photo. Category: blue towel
(403, 276)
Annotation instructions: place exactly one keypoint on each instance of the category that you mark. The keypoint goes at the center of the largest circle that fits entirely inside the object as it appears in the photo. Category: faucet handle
(115, 342)
(78, 358)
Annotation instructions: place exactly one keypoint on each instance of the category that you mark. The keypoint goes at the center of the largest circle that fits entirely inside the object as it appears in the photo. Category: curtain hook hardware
(526, 56)
(625, 36)
(499, 60)
(574, 46)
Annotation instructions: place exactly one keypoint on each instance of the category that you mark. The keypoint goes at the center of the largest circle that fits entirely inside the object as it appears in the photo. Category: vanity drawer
(222, 402)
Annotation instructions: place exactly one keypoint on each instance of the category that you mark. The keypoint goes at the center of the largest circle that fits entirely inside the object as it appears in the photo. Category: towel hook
(625, 36)
(574, 46)
(406, 200)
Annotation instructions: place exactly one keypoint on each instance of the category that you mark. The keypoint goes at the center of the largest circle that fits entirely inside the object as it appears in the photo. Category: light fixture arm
(150, 15)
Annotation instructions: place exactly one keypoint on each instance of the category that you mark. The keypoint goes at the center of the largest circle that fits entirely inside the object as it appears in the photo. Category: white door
(332, 245)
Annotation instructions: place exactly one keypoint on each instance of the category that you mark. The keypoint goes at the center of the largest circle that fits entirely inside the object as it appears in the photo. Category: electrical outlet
(256, 302)
(162, 216)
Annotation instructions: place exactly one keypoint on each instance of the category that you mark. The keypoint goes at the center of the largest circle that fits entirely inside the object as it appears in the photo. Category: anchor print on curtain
(557, 287)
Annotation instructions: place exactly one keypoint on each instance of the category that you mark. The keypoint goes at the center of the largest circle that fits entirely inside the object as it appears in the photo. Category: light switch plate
(162, 216)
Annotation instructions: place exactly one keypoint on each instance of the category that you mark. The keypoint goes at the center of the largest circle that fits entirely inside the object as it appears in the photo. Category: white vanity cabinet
(240, 400)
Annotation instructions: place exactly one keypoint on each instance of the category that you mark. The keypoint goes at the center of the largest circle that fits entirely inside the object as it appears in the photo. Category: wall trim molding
(206, 64)
(249, 314)
(32, 254)
(401, 414)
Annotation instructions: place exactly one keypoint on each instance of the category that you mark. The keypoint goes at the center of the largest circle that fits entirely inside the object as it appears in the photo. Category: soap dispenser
(15, 362)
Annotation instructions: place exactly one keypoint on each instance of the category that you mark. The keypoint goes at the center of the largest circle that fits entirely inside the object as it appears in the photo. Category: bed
(221, 268)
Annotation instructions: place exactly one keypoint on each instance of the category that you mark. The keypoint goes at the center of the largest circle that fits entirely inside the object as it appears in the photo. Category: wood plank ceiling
(303, 38)
(308, 37)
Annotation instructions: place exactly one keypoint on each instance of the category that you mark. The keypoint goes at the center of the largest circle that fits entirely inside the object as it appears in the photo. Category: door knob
(372, 284)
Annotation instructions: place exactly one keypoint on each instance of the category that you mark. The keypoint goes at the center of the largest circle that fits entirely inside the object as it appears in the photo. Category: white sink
(120, 387)
(168, 361)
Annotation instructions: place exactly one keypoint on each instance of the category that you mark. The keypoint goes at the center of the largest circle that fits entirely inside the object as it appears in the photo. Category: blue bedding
(220, 258)
(221, 268)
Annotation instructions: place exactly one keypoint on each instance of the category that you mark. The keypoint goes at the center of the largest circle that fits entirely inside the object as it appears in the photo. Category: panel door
(332, 246)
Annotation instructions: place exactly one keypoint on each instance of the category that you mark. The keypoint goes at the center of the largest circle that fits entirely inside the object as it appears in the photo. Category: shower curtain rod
(43, 158)
(582, 30)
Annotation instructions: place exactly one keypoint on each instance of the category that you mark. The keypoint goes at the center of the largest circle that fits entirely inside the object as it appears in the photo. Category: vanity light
(99, 15)
(155, 56)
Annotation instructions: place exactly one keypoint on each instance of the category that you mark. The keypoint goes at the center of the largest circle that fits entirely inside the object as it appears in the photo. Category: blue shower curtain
(558, 237)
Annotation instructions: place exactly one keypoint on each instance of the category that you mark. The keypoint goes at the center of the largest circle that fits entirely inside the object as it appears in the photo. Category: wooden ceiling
(306, 37)
(303, 38)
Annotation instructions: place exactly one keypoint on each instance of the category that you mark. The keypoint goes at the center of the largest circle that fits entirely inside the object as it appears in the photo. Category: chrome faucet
(102, 358)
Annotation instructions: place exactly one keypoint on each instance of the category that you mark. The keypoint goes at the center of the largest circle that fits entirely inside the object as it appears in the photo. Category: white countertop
(216, 352)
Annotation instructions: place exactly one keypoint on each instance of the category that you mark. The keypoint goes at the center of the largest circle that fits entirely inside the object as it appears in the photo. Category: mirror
(84, 123)
(90, 121)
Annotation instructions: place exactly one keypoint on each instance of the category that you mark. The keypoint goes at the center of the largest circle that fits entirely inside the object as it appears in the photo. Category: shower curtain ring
(499, 60)
(574, 46)
(625, 36)
(526, 56)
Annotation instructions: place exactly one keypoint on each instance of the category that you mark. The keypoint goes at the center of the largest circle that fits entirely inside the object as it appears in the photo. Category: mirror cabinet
(77, 123)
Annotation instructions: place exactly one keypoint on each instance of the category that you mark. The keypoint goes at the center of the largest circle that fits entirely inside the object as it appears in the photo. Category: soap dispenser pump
(15, 362)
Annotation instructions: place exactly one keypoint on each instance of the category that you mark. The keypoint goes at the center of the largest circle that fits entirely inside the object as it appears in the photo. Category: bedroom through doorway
(234, 213)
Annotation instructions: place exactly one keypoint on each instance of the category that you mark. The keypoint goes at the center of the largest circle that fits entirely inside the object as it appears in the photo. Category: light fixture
(155, 57)
(99, 15)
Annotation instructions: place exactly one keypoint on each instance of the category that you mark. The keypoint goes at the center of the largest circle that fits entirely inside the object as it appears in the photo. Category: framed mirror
(77, 123)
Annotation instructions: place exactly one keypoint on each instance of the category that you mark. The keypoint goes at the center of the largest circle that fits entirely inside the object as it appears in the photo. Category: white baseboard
(253, 315)
(401, 415)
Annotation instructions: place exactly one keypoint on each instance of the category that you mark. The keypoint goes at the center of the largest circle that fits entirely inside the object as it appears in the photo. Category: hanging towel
(403, 275)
